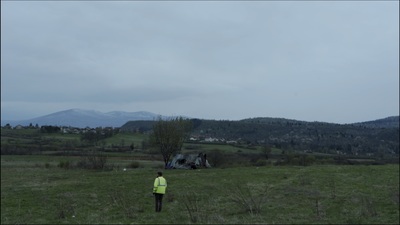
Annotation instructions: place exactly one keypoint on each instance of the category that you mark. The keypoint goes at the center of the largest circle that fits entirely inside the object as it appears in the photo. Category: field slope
(35, 190)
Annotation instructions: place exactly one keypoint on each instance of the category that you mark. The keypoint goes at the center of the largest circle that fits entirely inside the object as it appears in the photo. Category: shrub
(66, 206)
(134, 165)
(216, 158)
(191, 202)
(260, 162)
(93, 161)
(294, 161)
(309, 160)
(125, 203)
(250, 201)
(65, 164)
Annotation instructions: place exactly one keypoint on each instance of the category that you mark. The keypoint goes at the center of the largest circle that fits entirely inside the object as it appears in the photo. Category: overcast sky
(329, 61)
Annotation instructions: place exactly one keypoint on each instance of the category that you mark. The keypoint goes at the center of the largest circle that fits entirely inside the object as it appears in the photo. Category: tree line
(286, 134)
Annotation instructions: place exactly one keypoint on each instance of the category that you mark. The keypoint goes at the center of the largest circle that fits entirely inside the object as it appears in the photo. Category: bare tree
(169, 135)
(266, 150)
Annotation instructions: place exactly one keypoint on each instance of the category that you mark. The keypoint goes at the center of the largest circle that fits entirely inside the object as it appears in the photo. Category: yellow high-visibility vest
(160, 185)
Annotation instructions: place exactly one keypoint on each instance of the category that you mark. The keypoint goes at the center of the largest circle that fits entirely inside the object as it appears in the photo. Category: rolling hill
(368, 138)
(85, 118)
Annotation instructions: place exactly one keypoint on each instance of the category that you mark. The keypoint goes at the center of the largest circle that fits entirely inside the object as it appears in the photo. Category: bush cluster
(65, 164)
(134, 165)
(93, 161)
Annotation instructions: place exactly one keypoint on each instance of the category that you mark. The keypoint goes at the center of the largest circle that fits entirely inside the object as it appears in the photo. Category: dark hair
(159, 173)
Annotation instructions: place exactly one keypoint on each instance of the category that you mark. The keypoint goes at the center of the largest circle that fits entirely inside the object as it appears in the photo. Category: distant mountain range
(91, 118)
(85, 118)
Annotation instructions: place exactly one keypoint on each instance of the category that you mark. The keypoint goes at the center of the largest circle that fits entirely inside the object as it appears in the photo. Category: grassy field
(34, 190)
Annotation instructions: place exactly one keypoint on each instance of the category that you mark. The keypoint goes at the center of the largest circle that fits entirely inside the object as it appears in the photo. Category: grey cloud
(265, 58)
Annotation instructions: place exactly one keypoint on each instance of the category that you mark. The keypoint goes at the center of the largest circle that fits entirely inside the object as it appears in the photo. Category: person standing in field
(160, 185)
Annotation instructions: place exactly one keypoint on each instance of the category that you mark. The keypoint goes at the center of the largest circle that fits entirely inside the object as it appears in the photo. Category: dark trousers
(159, 198)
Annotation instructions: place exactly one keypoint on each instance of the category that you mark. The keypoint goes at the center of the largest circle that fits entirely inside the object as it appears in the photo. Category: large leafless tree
(169, 135)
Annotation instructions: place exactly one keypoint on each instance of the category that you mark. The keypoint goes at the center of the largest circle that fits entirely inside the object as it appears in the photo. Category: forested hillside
(369, 138)
(388, 122)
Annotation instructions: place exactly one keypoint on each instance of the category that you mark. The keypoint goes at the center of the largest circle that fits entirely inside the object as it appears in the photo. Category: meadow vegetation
(36, 189)
(111, 183)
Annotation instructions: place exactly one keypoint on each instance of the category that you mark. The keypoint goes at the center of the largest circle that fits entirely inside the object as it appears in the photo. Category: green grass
(32, 193)
(126, 138)
(26, 135)
(19, 132)
(207, 147)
